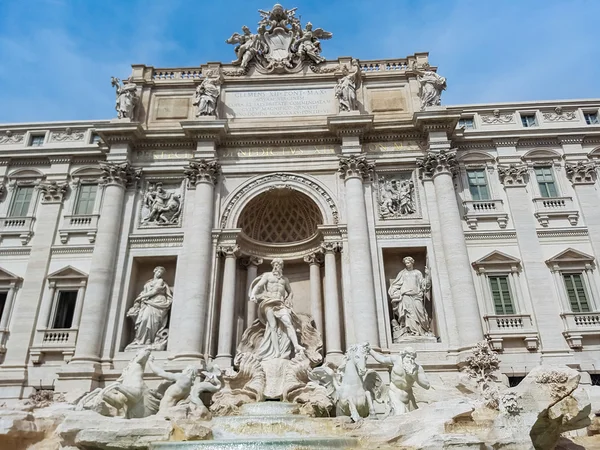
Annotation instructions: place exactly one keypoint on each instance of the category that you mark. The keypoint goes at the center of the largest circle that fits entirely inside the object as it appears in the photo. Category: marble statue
(207, 94)
(354, 387)
(127, 98)
(150, 313)
(404, 373)
(345, 89)
(408, 292)
(308, 45)
(278, 17)
(432, 86)
(164, 208)
(396, 198)
(278, 332)
(248, 46)
(129, 397)
(209, 379)
(179, 390)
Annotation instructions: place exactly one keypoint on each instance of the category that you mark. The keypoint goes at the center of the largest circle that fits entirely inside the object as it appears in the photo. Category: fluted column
(583, 176)
(441, 166)
(226, 313)
(251, 263)
(190, 308)
(115, 178)
(333, 324)
(314, 261)
(355, 169)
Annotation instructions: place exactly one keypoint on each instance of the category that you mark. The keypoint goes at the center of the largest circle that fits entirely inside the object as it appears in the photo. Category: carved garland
(280, 177)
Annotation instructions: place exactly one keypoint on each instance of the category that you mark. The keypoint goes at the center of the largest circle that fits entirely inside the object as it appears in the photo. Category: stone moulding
(154, 241)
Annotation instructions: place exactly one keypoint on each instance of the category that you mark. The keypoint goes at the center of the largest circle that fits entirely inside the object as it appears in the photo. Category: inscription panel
(281, 102)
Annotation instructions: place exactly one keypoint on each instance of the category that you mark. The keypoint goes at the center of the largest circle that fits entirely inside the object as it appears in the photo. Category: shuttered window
(478, 185)
(501, 295)
(86, 199)
(545, 180)
(21, 201)
(576, 292)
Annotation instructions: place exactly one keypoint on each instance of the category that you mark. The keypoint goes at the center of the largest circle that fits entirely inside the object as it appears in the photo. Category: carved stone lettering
(284, 102)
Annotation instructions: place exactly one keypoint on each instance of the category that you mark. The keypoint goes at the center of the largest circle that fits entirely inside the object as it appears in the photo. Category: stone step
(304, 443)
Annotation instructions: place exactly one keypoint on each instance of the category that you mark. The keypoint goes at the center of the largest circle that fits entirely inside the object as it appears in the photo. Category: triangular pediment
(497, 258)
(571, 255)
(68, 272)
(5, 275)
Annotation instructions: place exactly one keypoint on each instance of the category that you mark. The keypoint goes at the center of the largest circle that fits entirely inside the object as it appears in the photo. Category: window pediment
(497, 261)
(6, 276)
(541, 155)
(570, 259)
(68, 274)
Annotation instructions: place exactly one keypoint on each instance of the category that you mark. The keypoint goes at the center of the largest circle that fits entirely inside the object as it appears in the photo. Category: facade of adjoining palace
(149, 229)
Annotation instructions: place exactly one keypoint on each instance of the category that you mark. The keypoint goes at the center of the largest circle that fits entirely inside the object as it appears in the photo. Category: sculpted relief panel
(162, 205)
(396, 196)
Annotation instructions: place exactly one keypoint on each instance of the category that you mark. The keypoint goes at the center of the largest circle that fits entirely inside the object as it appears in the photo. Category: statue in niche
(432, 86)
(127, 98)
(278, 332)
(396, 198)
(409, 292)
(404, 373)
(164, 207)
(345, 89)
(207, 94)
(150, 313)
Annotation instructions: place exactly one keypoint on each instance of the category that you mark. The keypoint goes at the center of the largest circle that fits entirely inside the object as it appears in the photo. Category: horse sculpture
(352, 386)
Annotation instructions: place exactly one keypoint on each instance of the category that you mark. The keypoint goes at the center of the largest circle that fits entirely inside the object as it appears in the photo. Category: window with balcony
(21, 201)
(576, 293)
(591, 118)
(86, 198)
(65, 309)
(37, 140)
(528, 120)
(478, 184)
(503, 303)
(545, 180)
(468, 123)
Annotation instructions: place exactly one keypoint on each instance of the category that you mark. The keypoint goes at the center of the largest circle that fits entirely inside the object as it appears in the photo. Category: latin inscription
(284, 102)
(265, 152)
(160, 155)
(400, 146)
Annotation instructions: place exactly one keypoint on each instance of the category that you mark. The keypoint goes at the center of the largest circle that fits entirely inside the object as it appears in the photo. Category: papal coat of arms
(280, 43)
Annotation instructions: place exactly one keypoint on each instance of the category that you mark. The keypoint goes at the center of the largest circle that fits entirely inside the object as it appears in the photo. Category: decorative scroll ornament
(396, 198)
(11, 138)
(52, 191)
(119, 173)
(559, 115)
(229, 251)
(127, 98)
(581, 173)
(356, 166)
(497, 118)
(437, 162)
(67, 136)
(331, 247)
(202, 171)
(314, 258)
(280, 44)
(513, 175)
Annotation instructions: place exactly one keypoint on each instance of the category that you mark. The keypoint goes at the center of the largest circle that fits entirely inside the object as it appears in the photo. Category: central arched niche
(280, 216)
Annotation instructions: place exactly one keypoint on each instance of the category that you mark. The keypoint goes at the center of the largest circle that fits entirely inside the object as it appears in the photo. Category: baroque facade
(400, 222)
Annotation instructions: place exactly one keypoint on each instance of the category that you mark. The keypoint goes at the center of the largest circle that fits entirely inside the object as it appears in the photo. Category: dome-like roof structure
(280, 216)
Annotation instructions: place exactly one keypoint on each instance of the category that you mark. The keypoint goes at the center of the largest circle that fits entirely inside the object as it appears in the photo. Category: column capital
(121, 174)
(357, 166)
(315, 257)
(513, 175)
(331, 247)
(581, 172)
(436, 163)
(53, 191)
(202, 171)
(229, 251)
(252, 261)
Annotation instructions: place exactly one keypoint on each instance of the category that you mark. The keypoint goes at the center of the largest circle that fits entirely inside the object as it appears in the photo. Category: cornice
(485, 235)
(400, 232)
(72, 249)
(156, 240)
(15, 251)
(350, 124)
(565, 232)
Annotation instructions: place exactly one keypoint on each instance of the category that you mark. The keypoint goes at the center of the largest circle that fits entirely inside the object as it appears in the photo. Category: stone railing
(176, 74)
(384, 66)
(546, 208)
(509, 326)
(17, 226)
(578, 325)
(484, 209)
(54, 340)
(79, 224)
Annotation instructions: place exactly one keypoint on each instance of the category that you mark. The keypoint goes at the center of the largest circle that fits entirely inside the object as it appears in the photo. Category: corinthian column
(226, 315)
(190, 308)
(333, 325)
(115, 178)
(441, 166)
(251, 263)
(316, 298)
(355, 169)
(583, 176)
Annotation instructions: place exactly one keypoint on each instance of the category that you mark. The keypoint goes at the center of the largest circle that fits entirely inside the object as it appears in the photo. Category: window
(595, 379)
(95, 138)
(467, 123)
(86, 198)
(21, 201)
(501, 295)
(545, 180)
(528, 120)
(65, 309)
(591, 118)
(478, 184)
(37, 140)
(514, 381)
(576, 292)
(3, 296)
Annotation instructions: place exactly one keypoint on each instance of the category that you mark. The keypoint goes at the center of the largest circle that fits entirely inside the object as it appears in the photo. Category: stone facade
(495, 204)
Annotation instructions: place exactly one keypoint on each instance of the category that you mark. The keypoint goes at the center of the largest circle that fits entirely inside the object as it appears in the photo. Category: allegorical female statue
(150, 312)
(278, 332)
(408, 292)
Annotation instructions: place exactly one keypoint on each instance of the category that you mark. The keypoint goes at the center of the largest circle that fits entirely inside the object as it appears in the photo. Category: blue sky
(57, 56)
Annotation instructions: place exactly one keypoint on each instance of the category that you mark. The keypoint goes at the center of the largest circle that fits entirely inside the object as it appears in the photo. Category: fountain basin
(303, 443)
